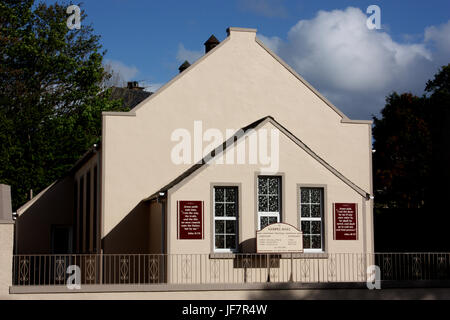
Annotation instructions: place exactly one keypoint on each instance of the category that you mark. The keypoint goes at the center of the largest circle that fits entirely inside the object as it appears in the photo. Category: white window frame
(225, 218)
(322, 227)
(276, 214)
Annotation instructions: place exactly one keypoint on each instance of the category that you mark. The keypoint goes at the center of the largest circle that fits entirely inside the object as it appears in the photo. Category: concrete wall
(6, 256)
(235, 84)
(6, 239)
(5, 203)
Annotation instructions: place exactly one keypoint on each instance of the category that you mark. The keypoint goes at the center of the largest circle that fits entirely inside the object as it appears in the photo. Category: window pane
(315, 227)
(262, 185)
(218, 194)
(230, 242)
(306, 227)
(219, 210)
(219, 226)
(225, 206)
(304, 195)
(264, 222)
(311, 209)
(273, 220)
(316, 242)
(231, 227)
(273, 204)
(306, 242)
(273, 185)
(230, 195)
(315, 210)
(230, 209)
(305, 210)
(315, 195)
(263, 205)
(220, 242)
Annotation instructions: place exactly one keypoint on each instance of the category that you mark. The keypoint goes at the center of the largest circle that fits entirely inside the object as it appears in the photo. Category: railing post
(291, 278)
(101, 267)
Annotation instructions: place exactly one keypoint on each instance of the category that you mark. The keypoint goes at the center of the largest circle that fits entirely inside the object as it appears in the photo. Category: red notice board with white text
(190, 220)
(345, 221)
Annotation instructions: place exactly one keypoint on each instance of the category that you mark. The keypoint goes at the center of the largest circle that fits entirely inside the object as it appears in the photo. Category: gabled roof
(131, 98)
(244, 132)
(344, 119)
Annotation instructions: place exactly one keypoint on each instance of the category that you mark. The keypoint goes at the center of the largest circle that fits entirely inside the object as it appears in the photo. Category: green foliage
(439, 102)
(403, 149)
(51, 98)
(412, 146)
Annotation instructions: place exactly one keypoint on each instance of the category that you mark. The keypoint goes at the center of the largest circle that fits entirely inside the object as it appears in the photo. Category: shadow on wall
(248, 246)
(138, 233)
(53, 207)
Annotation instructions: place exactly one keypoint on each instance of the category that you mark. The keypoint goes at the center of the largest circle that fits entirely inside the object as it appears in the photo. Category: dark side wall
(53, 208)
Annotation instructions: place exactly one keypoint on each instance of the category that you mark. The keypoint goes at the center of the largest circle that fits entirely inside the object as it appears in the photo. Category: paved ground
(309, 294)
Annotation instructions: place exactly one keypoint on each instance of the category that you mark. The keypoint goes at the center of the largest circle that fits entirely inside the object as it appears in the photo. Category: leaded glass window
(311, 217)
(269, 200)
(225, 218)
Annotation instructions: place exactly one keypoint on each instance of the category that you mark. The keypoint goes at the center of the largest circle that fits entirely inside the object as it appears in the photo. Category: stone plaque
(279, 238)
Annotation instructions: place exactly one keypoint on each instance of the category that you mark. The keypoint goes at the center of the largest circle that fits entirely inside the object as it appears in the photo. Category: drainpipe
(162, 199)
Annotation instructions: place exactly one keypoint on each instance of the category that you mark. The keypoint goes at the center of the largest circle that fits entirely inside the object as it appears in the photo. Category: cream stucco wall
(296, 168)
(235, 84)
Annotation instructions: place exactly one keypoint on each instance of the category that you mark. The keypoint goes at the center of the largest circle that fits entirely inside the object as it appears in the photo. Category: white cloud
(122, 73)
(127, 73)
(189, 55)
(439, 37)
(273, 43)
(355, 67)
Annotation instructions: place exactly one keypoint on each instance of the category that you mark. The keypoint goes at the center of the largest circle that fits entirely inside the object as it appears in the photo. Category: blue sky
(147, 41)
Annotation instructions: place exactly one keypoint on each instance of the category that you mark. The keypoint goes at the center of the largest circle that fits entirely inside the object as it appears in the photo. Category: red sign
(190, 219)
(345, 221)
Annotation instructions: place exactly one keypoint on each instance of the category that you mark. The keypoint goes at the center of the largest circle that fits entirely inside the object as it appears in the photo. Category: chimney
(5, 203)
(211, 43)
(133, 85)
(184, 66)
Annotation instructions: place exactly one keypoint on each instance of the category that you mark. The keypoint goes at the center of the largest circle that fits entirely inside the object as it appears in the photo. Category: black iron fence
(36, 270)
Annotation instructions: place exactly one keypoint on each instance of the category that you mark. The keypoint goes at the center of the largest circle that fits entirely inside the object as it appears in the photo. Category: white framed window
(225, 218)
(269, 200)
(311, 219)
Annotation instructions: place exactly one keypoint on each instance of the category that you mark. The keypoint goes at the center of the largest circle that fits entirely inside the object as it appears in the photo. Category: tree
(402, 160)
(50, 94)
(116, 79)
(439, 104)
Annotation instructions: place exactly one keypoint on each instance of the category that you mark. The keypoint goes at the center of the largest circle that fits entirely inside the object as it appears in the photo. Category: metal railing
(37, 270)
